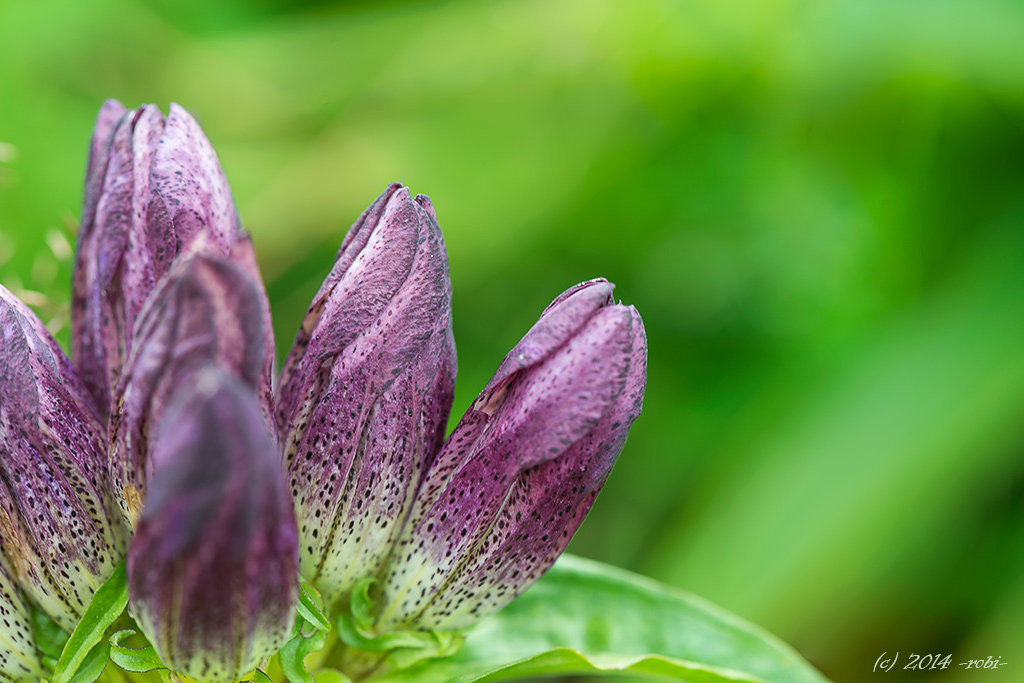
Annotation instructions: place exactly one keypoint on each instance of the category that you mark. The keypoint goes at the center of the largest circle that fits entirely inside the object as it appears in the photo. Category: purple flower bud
(206, 311)
(59, 535)
(516, 477)
(213, 567)
(18, 658)
(366, 390)
(153, 185)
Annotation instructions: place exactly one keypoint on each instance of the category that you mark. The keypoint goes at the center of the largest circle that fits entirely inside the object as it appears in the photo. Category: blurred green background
(817, 207)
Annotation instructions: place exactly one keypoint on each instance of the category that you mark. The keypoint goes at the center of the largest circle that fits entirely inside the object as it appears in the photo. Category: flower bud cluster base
(165, 442)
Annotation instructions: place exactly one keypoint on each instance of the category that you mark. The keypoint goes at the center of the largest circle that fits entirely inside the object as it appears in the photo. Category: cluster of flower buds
(164, 444)
(158, 445)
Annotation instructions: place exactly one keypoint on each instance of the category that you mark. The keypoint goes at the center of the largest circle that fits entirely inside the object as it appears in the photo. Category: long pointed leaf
(584, 617)
(107, 605)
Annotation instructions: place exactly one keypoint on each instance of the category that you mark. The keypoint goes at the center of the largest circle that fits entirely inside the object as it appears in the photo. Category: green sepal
(361, 604)
(311, 606)
(136, 659)
(105, 607)
(292, 656)
(400, 649)
(440, 643)
(433, 645)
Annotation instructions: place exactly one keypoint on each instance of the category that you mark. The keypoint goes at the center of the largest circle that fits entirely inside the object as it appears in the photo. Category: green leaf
(137, 659)
(585, 617)
(106, 606)
(292, 656)
(311, 606)
(93, 664)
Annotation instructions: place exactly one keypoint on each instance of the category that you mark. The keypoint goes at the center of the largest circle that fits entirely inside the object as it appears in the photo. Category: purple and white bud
(367, 388)
(19, 660)
(153, 185)
(515, 479)
(206, 311)
(213, 567)
(59, 533)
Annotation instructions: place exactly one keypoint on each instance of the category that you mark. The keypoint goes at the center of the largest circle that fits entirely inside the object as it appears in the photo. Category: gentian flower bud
(18, 658)
(213, 567)
(58, 536)
(153, 185)
(206, 311)
(366, 390)
(516, 477)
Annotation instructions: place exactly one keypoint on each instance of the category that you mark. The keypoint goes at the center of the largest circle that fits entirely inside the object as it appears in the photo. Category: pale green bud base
(106, 646)
(581, 618)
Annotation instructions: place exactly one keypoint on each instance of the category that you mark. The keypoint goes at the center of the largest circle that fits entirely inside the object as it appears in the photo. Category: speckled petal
(207, 311)
(97, 311)
(560, 320)
(188, 191)
(27, 566)
(99, 155)
(18, 658)
(213, 567)
(516, 477)
(153, 186)
(59, 537)
(367, 388)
